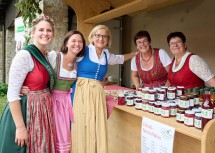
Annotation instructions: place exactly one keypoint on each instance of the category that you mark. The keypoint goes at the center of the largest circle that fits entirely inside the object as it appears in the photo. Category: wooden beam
(132, 7)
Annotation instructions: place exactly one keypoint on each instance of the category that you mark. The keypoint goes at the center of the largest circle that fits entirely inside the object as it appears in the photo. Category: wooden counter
(124, 132)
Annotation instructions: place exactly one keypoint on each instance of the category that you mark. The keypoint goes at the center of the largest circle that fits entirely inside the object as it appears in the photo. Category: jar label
(179, 117)
(151, 97)
(170, 95)
(198, 123)
(196, 101)
(138, 105)
(179, 92)
(173, 111)
(160, 96)
(191, 102)
(207, 113)
(157, 111)
(145, 107)
(164, 113)
(130, 102)
(188, 120)
(184, 103)
(150, 108)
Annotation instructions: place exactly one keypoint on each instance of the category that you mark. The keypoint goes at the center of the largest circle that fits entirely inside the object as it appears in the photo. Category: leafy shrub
(3, 89)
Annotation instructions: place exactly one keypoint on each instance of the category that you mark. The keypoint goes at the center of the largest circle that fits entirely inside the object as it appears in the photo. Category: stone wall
(10, 50)
(59, 12)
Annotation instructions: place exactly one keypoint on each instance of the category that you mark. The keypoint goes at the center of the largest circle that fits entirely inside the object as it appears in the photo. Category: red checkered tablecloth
(110, 102)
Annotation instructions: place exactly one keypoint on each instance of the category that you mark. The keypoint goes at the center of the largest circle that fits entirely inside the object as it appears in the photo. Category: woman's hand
(21, 138)
(24, 90)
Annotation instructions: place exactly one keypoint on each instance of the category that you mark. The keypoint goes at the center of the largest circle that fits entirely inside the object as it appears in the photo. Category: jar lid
(151, 90)
(165, 105)
(145, 101)
(196, 110)
(173, 104)
(198, 114)
(189, 112)
(162, 90)
(180, 110)
(180, 87)
(158, 103)
(120, 95)
(138, 100)
(171, 88)
(164, 87)
(183, 97)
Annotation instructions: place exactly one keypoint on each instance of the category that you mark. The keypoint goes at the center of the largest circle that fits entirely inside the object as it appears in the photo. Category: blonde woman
(89, 130)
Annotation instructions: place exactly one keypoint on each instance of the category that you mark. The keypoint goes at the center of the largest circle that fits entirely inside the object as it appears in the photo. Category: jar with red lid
(179, 91)
(161, 94)
(121, 99)
(171, 93)
(173, 109)
(151, 95)
(151, 107)
(165, 110)
(180, 115)
(189, 118)
(198, 121)
(184, 102)
(138, 104)
(130, 100)
(156, 92)
(139, 92)
(157, 108)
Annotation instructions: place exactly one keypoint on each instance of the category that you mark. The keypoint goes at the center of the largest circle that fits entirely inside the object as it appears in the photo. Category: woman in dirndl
(89, 129)
(27, 123)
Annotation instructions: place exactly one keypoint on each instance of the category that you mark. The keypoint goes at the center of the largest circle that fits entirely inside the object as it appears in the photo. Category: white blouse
(164, 58)
(197, 65)
(111, 58)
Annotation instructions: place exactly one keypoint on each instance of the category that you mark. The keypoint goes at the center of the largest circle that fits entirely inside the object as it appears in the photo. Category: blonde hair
(42, 17)
(99, 27)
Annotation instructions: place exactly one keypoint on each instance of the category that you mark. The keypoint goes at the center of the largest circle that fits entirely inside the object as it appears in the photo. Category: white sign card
(156, 137)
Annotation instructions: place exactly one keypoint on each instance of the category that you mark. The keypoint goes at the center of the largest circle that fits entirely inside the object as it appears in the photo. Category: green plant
(3, 89)
(29, 10)
(3, 102)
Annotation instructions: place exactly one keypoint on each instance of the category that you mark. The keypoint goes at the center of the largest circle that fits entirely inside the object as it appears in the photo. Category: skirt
(63, 114)
(38, 115)
(89, 129)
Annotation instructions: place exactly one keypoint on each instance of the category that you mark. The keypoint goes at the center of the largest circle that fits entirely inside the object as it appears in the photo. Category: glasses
(142, 42)
(101, 36)
(174, 43)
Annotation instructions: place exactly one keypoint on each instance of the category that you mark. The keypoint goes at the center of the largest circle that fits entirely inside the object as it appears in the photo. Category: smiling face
(42, 34)
(100, 39)
(75, 44)
(177, 46)
(143, 45)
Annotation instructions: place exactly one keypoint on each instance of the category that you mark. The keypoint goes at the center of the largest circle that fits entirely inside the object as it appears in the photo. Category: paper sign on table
(156, 137)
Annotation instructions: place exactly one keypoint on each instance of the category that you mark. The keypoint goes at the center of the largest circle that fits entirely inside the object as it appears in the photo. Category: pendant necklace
(69, 64)
(147, 59)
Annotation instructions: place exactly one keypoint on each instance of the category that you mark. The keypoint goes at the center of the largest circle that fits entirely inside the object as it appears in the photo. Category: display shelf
(124, 127)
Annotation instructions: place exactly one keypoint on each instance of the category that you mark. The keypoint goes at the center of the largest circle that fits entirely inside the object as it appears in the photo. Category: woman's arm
(211, 82)
(129, 56)
(135, 78)
(21, 132)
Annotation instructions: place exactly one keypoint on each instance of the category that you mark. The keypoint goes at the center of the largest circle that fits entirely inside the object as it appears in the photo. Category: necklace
(70, 64)
(148, 58)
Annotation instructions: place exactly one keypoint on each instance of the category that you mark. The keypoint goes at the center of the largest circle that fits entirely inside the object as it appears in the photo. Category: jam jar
(189, 118)
(173, 109)
(157, 108)
(161, 94)
(191, 100)
(198, 121)
(145, 105)
(138, 104)
(151, 95)
(180, 115)
(196, 100)
(179, 91)
(121, 99)
(145, 93)
(151, 107)
(184, 102)
(165, 110)
(130, 100)
(171, 93)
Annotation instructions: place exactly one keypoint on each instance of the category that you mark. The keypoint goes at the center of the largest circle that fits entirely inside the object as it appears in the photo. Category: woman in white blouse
(187, 69)
(89, 130)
